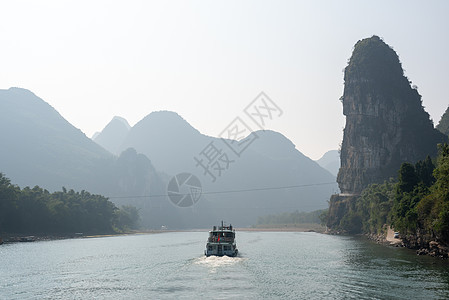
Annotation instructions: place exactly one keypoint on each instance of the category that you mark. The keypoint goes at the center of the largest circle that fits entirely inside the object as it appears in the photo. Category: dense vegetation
(36, 210)
(416, 204)
(370, 211)
(292, 218)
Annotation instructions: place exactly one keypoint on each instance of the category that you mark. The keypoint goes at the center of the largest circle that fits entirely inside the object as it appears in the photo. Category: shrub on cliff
(375, 205)
(414, 182)
(410, 205)
(433, 210)
(369, 212)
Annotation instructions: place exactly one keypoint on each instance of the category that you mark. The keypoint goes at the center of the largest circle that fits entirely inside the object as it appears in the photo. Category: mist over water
(284, 265)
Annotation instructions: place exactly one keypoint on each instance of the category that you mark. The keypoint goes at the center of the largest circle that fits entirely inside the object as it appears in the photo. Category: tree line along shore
(66, 213)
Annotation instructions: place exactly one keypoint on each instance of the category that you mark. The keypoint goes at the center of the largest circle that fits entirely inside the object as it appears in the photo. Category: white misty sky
(206, 60)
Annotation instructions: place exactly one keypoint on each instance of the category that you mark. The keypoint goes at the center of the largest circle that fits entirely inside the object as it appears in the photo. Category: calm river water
(271, 265)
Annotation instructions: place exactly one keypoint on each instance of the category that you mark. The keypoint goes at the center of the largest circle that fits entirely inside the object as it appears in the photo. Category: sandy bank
(390, 237)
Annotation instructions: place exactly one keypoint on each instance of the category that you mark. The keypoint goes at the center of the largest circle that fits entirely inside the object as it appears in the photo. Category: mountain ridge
(272, 160)
(113, 135)
(41, 148)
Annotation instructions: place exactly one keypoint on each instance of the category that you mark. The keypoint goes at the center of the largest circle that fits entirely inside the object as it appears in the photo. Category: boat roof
(222, 230)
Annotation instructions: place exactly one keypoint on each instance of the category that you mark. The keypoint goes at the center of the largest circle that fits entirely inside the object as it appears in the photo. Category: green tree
(434, 209)
(8, 204)
(36, 211)
(407, 179)
(127, 217)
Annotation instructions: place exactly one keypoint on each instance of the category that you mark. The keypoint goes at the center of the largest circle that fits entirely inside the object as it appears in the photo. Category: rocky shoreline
(425, 246)
(382, 239)
(420, 245)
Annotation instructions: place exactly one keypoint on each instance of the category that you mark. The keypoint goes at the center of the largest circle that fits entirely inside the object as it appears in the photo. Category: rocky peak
(113, 135)
(385, 121)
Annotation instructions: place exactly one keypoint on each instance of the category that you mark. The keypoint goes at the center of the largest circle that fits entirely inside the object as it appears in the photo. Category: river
(270, 265)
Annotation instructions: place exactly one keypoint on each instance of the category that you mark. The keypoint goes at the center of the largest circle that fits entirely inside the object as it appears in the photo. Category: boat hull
(221, 241)
(216, 249)
(230, 254)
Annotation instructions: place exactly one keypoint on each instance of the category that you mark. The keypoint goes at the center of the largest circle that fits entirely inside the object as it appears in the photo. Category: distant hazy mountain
(168, 140)
(94, 136)
(271, 161)
(330, 161)
(113, 135)
(39, 147)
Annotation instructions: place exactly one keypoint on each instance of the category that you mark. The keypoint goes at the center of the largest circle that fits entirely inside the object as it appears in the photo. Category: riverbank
(18, 238)
(386, 239)
(420, 245)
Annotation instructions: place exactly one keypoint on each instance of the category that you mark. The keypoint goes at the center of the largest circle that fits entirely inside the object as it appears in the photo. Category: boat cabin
(221, 241)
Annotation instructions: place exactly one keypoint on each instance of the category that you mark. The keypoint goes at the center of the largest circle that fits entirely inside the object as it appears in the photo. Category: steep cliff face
(385, 121)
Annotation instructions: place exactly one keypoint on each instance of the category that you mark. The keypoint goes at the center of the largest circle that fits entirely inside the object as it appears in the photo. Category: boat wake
(216, 262)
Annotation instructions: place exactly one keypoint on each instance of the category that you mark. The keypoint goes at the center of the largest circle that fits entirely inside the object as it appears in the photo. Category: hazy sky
(206, 60)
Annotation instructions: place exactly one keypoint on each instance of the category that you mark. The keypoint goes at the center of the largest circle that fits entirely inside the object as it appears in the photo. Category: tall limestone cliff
(386, 124)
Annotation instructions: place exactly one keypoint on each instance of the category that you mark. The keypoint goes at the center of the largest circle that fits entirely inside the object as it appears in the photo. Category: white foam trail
(215, 262)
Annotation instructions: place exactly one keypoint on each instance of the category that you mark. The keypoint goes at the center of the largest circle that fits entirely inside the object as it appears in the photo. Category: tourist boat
(221, 241)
